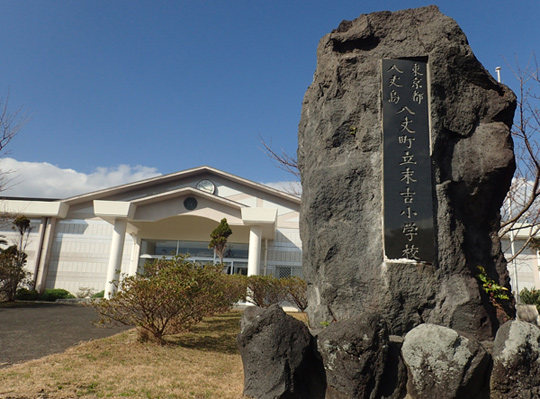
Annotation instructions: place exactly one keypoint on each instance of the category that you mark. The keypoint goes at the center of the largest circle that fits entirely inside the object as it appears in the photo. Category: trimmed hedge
(52, 295)
(24, 294)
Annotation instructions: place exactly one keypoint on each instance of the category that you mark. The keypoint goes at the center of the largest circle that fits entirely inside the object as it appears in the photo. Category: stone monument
(405, 156)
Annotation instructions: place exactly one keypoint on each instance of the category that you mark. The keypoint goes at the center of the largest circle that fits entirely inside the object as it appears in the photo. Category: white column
(254, 255)
(135, 253)
(536, 271)
(41, 233)
(45, 255)
(115, 256)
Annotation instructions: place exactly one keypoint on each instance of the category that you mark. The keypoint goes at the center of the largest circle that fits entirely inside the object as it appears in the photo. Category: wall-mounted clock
(207, 186)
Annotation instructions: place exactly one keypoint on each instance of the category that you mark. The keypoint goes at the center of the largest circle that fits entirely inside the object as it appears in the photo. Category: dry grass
(201, 364)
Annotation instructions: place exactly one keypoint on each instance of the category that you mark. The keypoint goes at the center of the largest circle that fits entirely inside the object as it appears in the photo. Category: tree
(285, 162)
(219, 236)
(13, 259)
(10, 124)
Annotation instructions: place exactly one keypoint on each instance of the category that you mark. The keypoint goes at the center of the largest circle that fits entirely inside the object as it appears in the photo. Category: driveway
(33, 330)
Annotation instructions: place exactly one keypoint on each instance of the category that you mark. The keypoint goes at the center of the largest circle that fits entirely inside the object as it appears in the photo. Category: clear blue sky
(177, 84)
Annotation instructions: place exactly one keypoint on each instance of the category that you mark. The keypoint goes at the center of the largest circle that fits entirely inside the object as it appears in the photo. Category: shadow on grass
(214, 334)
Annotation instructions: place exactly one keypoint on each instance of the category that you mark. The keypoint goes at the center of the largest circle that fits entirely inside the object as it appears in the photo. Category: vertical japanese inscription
(408, 203)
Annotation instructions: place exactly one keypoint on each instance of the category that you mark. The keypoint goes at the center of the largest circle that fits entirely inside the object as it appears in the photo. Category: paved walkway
(33, 330)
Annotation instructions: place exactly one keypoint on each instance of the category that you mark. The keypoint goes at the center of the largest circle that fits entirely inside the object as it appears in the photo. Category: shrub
(13, 259)
(531, 297)
(12, 272)
(264, 291)
(24, 294)
(53, 294)
(235, 289)
(296, 289)
(99, 294)
(170, 297)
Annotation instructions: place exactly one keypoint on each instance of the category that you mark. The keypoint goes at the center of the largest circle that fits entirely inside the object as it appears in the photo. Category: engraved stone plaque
(408, 201)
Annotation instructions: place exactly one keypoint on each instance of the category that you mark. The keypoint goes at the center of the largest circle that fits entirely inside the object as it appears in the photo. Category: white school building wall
(524, 270)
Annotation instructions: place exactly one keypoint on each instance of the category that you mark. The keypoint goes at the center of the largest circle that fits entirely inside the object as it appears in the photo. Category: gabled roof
(189, 173)
(183, 191)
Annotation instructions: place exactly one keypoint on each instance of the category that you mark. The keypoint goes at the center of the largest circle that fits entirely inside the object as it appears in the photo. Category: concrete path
(33, 330)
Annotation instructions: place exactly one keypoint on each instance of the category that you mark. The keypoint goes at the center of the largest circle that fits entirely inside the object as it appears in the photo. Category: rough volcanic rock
(355, 352)
(516, 362)
(279, 356)
(472, 165)
(444, 364)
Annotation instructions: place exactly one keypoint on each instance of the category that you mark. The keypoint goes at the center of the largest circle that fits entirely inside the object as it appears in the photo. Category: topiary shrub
(53, 294)
(24, 294)
(219, 236)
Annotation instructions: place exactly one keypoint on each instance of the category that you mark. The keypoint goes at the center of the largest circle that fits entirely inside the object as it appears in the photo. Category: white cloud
(43, 180)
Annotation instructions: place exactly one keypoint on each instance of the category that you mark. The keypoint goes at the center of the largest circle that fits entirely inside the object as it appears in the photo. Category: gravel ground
(33, 330)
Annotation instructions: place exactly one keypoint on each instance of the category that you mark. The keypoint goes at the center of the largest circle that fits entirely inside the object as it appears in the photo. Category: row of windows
(198, 249)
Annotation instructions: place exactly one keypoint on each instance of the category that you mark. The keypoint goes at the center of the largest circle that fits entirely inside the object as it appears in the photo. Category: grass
(201, 364)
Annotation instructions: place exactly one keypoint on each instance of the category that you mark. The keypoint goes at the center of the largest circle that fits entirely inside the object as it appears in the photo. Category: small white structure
(88, 240)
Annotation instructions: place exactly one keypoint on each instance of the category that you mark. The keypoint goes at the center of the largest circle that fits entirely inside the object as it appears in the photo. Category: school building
(86, 241)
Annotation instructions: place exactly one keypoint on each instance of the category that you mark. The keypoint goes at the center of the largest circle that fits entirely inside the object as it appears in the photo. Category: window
(195, 249)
